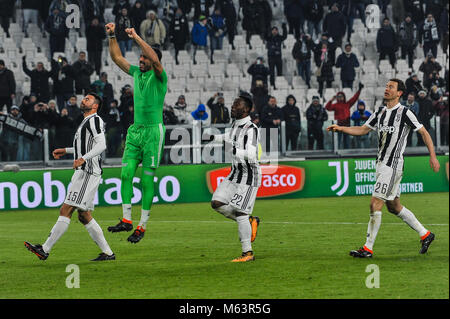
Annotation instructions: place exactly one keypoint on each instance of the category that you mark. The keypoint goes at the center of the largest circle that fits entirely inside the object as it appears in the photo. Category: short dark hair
(98, 100)
(400, 85)
(158, 53)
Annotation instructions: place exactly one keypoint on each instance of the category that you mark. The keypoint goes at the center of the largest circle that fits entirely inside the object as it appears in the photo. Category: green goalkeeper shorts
(145, 143)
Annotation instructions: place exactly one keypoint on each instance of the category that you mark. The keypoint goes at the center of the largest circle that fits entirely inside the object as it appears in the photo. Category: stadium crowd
(319, 27)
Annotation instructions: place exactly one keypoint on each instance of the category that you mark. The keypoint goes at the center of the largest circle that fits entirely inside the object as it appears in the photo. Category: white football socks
(57, 231)
(372, 229)
(126, 209)
(408, 217)
(145, 214)
(227, 211)
(96, 234)
(245, 232)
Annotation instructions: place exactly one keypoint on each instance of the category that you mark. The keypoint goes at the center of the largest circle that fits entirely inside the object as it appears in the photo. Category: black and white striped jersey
(245, 137)
(89, 143)
(393, 126)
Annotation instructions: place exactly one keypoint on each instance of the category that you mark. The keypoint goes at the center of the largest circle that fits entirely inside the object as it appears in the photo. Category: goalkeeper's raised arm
(114, 49)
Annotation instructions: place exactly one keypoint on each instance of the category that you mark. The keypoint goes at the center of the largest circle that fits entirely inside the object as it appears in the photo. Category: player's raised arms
(114, 49)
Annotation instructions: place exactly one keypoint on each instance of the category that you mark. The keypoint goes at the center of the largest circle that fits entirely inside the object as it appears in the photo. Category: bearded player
(394, 122)
(235, 196)
(145, 138)
(88, 145)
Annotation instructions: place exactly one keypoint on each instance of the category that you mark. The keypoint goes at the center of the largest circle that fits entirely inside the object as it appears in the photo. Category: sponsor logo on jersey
(387, 129)
(276, 179)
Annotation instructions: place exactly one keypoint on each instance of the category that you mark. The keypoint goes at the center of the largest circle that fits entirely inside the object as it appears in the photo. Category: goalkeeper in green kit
(145, 138)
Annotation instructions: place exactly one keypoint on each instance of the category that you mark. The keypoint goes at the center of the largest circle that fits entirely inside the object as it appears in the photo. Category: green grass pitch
(301, 252)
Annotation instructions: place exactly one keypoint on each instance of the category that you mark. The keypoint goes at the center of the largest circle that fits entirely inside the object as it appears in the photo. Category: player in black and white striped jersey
(393, 122)
(235, 195)
(88, 145)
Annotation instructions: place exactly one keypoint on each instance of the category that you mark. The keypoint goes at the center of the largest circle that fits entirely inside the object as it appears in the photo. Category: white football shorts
(82, 191)
(240, 196)
(387, 186)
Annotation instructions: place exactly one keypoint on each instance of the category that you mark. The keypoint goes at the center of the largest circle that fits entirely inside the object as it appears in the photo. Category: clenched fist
(110, 28)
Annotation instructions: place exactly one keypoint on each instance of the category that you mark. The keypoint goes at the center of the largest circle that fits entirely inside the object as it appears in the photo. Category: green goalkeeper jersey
(149, 93)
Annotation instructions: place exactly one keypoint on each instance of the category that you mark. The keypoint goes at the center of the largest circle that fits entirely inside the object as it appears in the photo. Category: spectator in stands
(253, 19)
(185, 6)
(64, 130)
(179, 32)
(258, 71)
(153, 30)
(123, 22)
(398, 11)
(443, 29)
(291, 115)
(295, 16)
(316, 115)
(169, 117)
(126, 98)
(39, 77)
(413, 106)
(271, 117)
(73, 110)
(82, 71)
(27, 107)
(200, 113)
(434, 80)
(229, 12)
(442, 110)
(267, 17)
(6, 12)
(429, 35)
(254, 116)
(314, 15)
(113, 128)
(180, 110)
(416, 9)
(413, 85)
(137, 15)
(219, 112)
(387, 42)
(127, 120)
(201, 8)
(30, 10)
(335, 24)
(331, 46)
(347, 62)
(9, 139)
(95, 34)
(349, 8)
(408, 37)
(40, 119)
(359, 117)
(426, 112)
(63, 80)
(342, 113)
(273, 44)
(199, 36)
(7, 86)
(94, 9)
(217, 30)
(301, 52)
(435, 7)
(61, 5)
(120, 4)
(56, 26)
(324, 63)
(103, 88)
(429, 66)
(260, 95)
